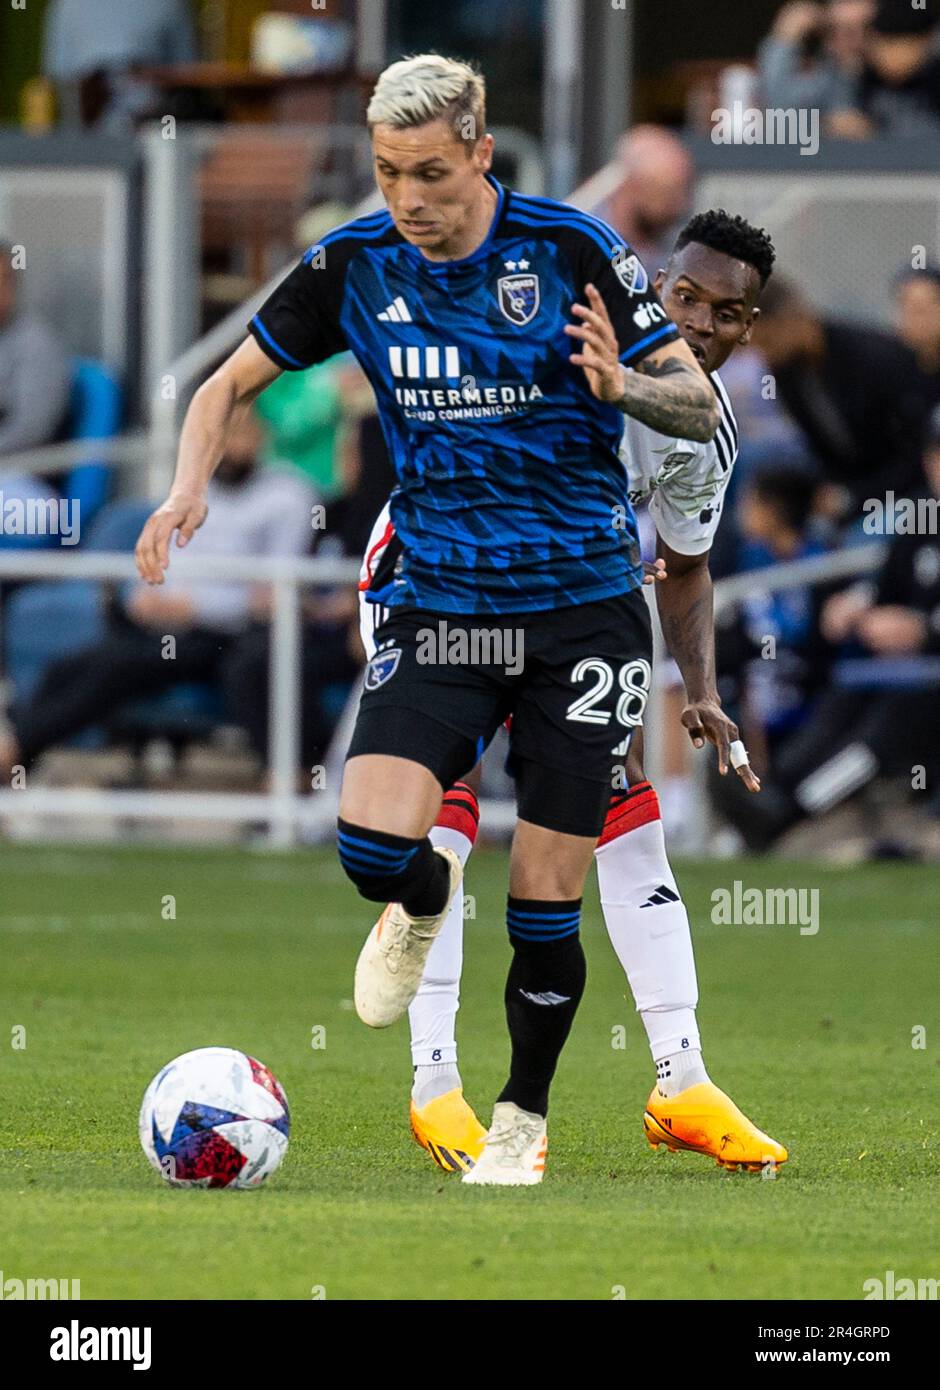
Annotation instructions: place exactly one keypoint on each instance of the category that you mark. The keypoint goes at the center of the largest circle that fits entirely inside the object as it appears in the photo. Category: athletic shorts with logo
(575, 680)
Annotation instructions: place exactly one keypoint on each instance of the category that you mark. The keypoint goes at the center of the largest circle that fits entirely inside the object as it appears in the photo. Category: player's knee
(547, 867)
(629, 811)
(544, 879)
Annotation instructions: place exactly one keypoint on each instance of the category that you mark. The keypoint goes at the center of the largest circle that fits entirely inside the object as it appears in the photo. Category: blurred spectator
(767, 436)
(889, 724)
(91, 49)
(307, 414)
(814, 55)
(252, 512)
(917, 323)
(761, 417)
(303, 412)
(35, 381)
(900, 86)
(35, 370)
(853, 390)
(653, 195)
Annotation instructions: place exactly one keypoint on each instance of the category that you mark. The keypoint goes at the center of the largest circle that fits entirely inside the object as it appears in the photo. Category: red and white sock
(649, 930)
(433, 1012)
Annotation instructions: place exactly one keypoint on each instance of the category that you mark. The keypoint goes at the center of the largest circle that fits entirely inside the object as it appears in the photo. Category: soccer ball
(214, 1117)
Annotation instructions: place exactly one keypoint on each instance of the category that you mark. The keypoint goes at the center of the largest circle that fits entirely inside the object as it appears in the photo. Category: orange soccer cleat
(704, 1120)
(449, 1130)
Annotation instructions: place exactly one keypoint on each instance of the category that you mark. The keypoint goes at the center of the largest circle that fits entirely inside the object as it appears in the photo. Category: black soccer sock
(394, 869)
(543, 990)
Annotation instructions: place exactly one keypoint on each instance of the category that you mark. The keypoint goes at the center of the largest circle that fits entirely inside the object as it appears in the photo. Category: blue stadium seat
(44, 622)
(333, 699)
(96, 409)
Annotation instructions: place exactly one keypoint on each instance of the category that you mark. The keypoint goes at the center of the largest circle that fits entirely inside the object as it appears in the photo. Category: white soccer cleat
(391, 963)
(514, 1150)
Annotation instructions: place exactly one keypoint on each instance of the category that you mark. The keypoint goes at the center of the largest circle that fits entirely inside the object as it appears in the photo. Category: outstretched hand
(706, 720)
(599, 353)
(184, 514)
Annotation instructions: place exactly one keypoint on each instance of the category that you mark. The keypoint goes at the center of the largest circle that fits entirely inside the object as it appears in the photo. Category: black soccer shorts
(575, 680)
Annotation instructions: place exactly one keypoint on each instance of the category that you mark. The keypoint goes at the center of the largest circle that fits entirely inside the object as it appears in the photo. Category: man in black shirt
(899, 91)
(854, 391)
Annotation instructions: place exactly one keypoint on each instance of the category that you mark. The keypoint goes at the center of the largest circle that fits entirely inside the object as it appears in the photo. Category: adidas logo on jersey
(397, 312)
(660, 897)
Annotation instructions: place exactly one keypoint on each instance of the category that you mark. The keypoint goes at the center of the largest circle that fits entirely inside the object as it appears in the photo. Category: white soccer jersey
(682, 481)
(372, 614)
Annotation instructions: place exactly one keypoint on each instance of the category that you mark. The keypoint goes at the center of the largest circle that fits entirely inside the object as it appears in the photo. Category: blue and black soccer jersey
(509, 482)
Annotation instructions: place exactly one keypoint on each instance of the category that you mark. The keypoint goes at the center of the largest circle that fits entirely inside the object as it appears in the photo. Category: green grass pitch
(812, 1035)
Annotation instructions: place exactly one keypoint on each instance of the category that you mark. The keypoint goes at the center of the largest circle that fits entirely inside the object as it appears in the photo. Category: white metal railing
(849, 563)
(288, 813)
(119, 450)
(282, 807)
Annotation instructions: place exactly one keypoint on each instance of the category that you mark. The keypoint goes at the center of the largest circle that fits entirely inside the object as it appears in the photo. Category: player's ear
(482, 153)
(659, 279)
(745, 337)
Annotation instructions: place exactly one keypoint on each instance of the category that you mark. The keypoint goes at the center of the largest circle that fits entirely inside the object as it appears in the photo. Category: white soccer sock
(679, 1070)
(649, 930)
(433, 1080)
(433, 1011)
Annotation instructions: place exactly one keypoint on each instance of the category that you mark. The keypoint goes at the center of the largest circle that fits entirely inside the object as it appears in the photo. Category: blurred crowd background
(161, 161)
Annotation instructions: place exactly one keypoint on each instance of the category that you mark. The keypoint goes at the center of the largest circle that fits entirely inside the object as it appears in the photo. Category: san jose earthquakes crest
(382, 667)
(519, 297)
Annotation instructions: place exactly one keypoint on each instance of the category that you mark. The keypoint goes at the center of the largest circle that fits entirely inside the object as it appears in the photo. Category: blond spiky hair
(426, 88)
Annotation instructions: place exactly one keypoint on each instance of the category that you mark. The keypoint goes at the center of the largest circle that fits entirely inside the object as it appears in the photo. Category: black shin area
(543, 990)
(394, 869)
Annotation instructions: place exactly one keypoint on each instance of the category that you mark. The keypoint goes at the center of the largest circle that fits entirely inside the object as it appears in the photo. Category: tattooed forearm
(673, 397)
(687, 618)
